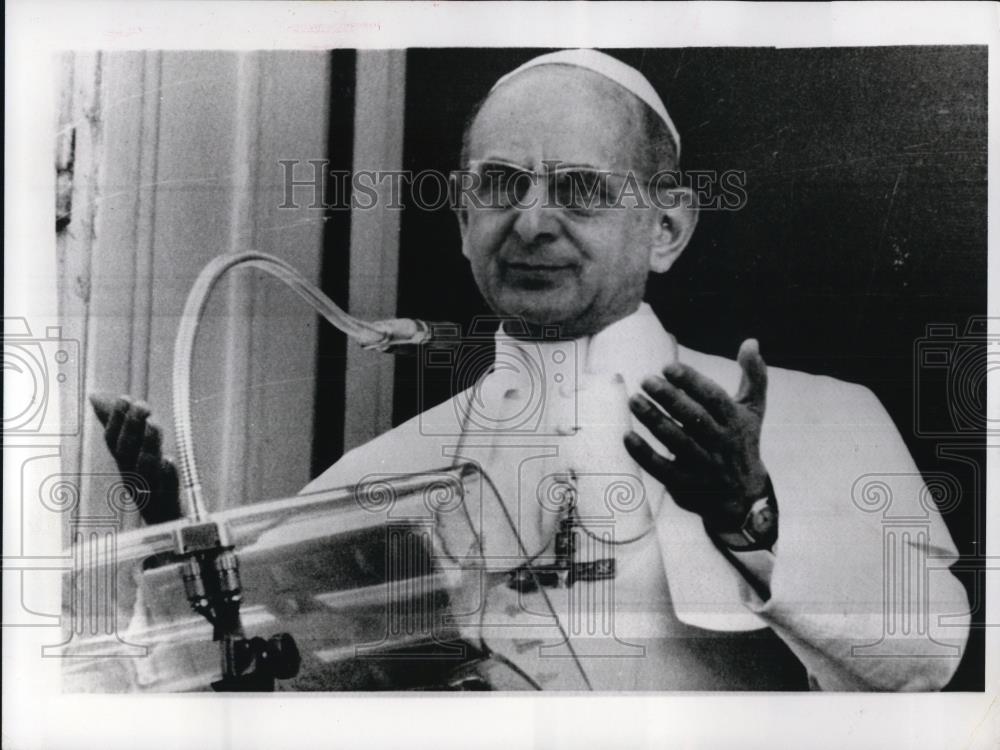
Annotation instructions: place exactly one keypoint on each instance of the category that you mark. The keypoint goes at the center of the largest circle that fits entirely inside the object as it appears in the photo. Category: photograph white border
(36, 714)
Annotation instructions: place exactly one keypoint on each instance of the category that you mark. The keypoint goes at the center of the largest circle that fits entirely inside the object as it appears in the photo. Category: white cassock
(860, 590)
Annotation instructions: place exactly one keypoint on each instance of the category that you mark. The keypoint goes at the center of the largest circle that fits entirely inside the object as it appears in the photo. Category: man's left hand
(716, 471)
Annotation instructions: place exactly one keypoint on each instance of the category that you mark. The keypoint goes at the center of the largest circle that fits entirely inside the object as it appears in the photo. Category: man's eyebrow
(551, 164)
(560, 165)
(500, 160)
(498, 157)
(576, 165)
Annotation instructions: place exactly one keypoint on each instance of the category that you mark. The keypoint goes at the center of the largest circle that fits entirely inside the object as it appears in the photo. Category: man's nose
(535, 220)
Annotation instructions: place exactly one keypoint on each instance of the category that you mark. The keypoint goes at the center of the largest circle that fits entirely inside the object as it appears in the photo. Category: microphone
(404, 336)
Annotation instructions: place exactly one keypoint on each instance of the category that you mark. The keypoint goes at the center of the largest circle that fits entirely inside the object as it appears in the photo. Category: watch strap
(759, 530)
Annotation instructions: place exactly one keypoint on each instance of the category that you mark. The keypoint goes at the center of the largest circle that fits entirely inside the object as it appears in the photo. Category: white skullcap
(611, 68)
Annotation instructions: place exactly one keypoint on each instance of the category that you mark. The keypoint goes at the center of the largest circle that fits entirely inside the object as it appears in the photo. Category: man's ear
(676, 218)
(462, 214)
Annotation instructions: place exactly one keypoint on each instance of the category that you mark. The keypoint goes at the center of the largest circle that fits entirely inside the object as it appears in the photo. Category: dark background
(865, 223)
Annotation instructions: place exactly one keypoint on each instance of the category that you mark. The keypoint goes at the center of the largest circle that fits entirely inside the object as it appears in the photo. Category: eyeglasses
(494, 184)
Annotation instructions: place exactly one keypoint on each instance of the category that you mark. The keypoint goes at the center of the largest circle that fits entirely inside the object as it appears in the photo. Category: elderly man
(672, 505)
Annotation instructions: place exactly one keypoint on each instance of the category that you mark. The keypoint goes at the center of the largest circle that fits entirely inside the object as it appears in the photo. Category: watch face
(763, 520)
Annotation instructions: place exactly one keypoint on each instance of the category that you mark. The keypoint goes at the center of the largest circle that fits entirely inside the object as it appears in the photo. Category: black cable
(514, 668)
(523, 549)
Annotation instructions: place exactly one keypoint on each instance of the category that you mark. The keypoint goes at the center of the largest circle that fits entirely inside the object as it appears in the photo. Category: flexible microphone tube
(386, 335)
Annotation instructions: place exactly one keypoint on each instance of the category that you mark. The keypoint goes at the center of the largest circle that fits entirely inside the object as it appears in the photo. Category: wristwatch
(759, 529)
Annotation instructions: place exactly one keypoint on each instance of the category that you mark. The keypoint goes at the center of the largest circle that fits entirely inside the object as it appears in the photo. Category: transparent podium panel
(380, 586)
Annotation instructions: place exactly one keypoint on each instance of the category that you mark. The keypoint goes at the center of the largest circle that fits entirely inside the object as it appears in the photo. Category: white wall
(174, 159)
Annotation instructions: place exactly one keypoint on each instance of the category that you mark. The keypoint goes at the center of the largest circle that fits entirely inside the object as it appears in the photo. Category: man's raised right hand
(136, 443)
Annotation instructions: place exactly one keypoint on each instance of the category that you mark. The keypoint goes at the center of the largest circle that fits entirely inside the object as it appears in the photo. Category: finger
(692, 415)
(132, 433)
(150, 456)
(704, 390)
(753, 384)
(103, 405)
(660, 468)
(643, 454)
(667, 431)
(113, 429)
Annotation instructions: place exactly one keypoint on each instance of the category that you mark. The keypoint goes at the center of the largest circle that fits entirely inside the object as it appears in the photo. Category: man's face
(544, 263)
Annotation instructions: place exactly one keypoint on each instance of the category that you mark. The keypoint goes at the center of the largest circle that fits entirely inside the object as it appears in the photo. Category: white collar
(634, 347)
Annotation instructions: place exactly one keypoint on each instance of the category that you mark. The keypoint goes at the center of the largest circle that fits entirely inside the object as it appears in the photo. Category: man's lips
(535, 275)
(535, 267)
